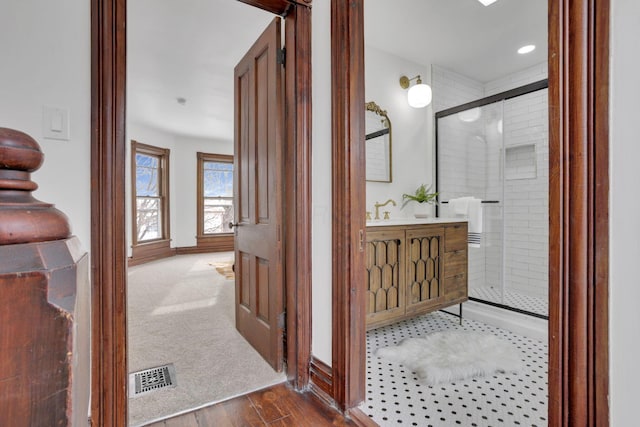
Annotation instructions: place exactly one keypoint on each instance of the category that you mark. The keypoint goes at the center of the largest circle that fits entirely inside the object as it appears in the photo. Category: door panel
(258, 192)
(242, 138)
(262, 287)
(242, 278)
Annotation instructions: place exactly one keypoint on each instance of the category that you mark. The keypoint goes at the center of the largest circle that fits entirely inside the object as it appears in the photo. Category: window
(150, 172)
(215, 194)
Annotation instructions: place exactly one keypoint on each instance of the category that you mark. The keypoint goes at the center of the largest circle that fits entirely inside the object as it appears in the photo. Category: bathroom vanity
(414, 266)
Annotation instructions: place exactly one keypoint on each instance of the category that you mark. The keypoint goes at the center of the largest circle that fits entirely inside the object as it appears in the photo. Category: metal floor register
(152, 379)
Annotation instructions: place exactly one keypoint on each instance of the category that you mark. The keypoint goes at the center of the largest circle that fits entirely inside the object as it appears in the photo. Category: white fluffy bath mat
(452, 355)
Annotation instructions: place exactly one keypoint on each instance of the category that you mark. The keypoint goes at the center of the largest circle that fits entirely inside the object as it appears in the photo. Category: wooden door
(258, 196)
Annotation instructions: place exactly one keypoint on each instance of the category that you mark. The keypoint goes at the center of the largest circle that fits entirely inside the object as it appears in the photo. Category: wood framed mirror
(378, 143)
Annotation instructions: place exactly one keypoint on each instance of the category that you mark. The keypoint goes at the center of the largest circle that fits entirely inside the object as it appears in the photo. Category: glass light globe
(470, 115)
(419, 95)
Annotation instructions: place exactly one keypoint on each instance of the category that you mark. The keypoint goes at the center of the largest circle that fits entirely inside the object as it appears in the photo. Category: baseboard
(216, 243)
(186, 250)
(148, 252)
(518, 323)
(169, 252)
(360, 419)
(321, 385)
(321, 381)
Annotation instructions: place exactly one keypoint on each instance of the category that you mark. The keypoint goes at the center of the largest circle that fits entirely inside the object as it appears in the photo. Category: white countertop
(411, 221)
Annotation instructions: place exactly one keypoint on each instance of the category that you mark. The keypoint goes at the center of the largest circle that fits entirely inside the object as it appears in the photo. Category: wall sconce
(419, 95)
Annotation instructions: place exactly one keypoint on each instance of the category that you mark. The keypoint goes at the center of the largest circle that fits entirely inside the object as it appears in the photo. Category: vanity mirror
(378, 143)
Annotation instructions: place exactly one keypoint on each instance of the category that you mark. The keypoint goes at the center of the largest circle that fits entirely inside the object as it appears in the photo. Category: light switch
(55, 123)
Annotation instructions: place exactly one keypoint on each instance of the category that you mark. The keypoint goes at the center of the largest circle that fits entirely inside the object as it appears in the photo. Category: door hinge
(361, 233)
(281, 56)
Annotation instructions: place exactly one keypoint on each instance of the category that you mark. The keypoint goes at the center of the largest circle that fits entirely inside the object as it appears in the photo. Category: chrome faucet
(377, 206)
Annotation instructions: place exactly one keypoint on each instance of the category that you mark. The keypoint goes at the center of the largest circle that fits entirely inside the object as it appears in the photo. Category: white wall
(625, 206)
(321, 182)
(45, 51)
(519, 78)
(411, 128)
(183, 194)
(451, 89)
(182, 178)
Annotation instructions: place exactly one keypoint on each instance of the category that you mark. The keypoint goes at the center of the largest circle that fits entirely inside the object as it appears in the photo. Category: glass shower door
(471, 163)
(526, 202)
(499, 152)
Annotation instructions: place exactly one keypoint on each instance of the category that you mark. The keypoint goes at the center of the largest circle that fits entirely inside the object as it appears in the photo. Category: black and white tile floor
(512, 299)
(395, 397)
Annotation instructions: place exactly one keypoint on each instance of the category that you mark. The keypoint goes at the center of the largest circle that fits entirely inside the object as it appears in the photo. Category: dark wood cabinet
(414, 269)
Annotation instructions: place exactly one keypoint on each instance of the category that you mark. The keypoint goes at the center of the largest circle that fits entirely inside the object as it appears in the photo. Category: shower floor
(395, 397)
(512, 299)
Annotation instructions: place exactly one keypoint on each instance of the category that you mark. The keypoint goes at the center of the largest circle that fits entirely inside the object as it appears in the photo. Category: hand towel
(470, 208)
(475, 223)
(475, 216)
(459, 206)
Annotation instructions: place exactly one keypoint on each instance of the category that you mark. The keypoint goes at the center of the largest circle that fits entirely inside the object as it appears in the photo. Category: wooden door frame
(108, 239)
(348, 200)
(578, 208)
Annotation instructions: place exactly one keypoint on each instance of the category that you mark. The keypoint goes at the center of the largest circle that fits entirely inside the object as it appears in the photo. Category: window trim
(163, 187)
(214, 242)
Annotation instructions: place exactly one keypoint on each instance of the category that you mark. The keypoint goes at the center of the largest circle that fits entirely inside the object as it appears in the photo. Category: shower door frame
(578, 209)
(498, 97)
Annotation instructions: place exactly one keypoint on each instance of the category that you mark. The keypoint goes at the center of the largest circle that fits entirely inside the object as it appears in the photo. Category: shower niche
(497, 149)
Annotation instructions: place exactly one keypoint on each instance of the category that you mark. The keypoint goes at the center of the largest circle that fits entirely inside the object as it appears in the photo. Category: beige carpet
(181, 311)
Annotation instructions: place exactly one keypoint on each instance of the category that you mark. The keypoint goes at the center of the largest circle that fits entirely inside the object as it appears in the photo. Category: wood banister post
(44, 309)
(24, 219)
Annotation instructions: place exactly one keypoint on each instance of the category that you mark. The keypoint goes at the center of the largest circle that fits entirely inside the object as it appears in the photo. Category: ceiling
(461, 35)
(188, 48)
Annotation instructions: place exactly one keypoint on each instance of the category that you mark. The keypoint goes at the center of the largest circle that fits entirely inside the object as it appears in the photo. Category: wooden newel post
(44, 300)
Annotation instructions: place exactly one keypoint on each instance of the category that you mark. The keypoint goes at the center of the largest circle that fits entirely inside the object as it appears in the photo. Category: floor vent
(153, 379)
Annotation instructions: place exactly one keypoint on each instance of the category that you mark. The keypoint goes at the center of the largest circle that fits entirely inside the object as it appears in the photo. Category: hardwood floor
(276, 406)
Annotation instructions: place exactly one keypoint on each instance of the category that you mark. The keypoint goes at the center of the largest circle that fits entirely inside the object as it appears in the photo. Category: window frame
(217, 241)
(163, 190)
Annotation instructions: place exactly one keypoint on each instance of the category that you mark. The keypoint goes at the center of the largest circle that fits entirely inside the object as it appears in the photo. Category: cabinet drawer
(455, 237)
(455, 287)
(455, 263)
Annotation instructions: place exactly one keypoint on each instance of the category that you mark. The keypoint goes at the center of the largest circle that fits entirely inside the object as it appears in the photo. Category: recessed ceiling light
(487, 2)
(526, 49)
(181, 100)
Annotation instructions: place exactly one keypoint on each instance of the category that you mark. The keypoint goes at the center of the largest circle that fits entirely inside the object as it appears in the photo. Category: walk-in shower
(497, 149)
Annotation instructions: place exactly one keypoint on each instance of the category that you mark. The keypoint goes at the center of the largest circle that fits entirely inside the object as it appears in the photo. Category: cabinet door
(384, 276)
(424, 267)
